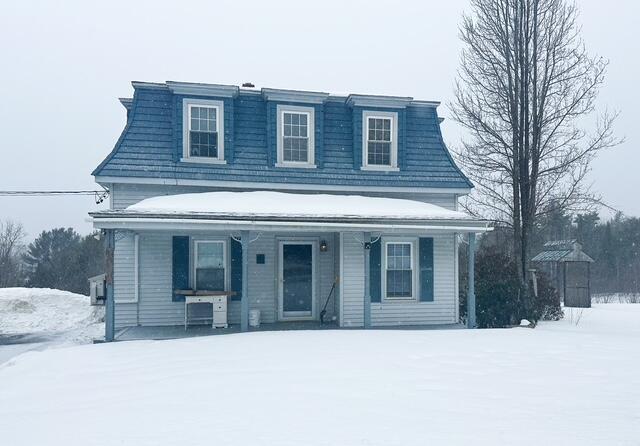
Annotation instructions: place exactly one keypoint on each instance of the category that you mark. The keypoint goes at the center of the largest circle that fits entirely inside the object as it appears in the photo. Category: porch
(369, 262)
(176, 332)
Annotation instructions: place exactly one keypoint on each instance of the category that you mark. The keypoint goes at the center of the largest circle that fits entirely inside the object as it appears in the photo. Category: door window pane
(297, 276)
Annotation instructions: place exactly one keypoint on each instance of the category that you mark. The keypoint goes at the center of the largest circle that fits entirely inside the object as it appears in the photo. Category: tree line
(59, 258)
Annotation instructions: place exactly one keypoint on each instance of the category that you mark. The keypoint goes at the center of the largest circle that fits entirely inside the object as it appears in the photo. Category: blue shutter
(426, 269)
(375, 273)
(236, 269)
(180, 269)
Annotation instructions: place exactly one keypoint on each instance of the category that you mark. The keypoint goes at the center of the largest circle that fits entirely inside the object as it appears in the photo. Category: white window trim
(413, 241)
(310, 112)
(394, 140)
(225, 259)
(187, 104)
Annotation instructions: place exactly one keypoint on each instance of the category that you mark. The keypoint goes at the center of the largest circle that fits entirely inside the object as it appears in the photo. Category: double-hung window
(209, 264)
(380, 140)
(203, 137)
(399, 271)
(295, 136)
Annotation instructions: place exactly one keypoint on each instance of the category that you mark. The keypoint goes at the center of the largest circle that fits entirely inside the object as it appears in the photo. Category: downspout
(367, 281)
(471, 292)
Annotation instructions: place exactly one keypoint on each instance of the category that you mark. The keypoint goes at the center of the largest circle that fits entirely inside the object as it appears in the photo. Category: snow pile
(279, 204)
(45, 310)
(560, 384)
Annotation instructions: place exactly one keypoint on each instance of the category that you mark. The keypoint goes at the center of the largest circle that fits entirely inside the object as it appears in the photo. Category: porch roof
(266, 209)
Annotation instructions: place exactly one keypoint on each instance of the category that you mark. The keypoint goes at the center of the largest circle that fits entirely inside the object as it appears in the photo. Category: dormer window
(203, 131)
(380, 141)
(296, 136)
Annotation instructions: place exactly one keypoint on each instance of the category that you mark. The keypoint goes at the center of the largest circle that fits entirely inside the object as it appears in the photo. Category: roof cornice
(154, 85)
(308, 97)
(430, 104)
(126, 102)
(223, 91)
(363, 100)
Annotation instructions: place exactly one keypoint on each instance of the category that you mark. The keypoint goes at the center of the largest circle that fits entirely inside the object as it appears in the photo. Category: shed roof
(562, 251)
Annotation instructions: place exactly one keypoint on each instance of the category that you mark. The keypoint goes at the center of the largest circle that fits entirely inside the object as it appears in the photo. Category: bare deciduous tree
(525, 92)
(11, 236)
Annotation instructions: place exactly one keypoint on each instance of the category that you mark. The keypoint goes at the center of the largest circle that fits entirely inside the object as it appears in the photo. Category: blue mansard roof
(149, 149)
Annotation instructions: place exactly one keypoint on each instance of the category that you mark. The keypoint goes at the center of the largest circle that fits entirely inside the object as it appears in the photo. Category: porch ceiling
(265, 210)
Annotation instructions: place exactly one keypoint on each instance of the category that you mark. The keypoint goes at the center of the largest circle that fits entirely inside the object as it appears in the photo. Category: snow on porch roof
(265, 204)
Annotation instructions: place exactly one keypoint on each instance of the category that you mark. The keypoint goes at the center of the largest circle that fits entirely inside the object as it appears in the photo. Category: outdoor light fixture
(323, 246)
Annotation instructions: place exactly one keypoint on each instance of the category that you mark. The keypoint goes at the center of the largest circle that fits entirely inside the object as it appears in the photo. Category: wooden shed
(570, 270)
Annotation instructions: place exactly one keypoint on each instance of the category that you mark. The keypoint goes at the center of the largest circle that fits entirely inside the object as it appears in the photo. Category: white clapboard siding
(155, 306)
(126, 311)
(443, 310)
(352, 285)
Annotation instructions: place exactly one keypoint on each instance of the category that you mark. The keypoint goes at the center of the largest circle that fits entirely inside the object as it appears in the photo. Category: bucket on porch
(254, 318)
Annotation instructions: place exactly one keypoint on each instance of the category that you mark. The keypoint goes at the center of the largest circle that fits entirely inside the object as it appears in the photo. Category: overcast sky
(64, 64)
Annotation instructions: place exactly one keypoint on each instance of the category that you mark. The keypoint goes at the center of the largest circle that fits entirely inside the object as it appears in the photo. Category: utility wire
(100, 195)
(49, 192)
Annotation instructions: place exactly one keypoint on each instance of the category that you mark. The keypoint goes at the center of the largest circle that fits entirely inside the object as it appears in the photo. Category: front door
(297, 281)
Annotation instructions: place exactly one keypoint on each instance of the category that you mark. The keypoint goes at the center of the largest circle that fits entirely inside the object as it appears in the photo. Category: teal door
(297, 281)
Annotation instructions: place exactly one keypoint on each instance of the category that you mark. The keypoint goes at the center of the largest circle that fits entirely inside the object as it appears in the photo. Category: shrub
(500, 299)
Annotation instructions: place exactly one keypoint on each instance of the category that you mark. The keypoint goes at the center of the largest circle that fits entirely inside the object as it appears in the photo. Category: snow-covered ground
(573, 382)
(37, 318)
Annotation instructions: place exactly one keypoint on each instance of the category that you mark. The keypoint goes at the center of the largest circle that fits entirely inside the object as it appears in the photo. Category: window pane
(399, 273)
(379, 153)
(295, 144)
(210, 270)
(399, 283)
(203, 144)
(210, 279)
(210, 255)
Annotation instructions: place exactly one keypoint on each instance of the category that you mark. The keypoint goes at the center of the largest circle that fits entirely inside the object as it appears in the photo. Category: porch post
(471, 292)
(367, 281)
(109, 310)
(244, 301)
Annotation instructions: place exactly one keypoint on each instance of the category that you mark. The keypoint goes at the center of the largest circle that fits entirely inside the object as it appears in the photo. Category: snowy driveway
(40, 318)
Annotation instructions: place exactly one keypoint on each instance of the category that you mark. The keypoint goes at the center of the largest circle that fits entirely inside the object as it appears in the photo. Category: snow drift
(563, 383)
(45, 310)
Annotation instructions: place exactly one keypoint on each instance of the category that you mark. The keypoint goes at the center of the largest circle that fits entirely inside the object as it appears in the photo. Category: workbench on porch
(218, 301)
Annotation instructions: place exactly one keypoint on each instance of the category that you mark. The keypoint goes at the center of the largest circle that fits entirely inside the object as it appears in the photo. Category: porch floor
(178, 331)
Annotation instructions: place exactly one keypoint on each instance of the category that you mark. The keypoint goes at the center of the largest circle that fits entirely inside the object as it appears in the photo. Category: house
(270, 198)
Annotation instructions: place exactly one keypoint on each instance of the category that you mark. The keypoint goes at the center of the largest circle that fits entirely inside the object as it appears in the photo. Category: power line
(100, 195)
(49, 192)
